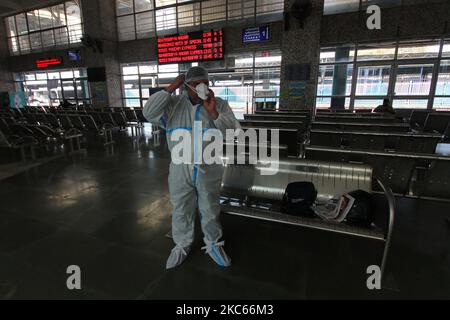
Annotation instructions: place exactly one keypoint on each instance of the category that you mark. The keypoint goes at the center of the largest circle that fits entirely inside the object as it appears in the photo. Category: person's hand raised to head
(210, 105)
(176, 83)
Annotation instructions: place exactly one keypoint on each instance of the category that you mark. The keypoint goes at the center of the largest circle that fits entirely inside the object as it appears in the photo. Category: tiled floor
(109, 215)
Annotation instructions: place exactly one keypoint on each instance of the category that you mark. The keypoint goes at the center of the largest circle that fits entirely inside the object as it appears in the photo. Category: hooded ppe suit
(192, 185)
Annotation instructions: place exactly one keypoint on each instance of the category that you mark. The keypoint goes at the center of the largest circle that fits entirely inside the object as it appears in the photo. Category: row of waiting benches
(404, 157)
(33, 127)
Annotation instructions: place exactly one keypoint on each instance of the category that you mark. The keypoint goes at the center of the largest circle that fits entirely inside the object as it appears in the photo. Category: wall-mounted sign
(17, 100)
(266, 94)
(297, 89)
(257, 34)
(74, 55)
(194, 46)
(45, 63)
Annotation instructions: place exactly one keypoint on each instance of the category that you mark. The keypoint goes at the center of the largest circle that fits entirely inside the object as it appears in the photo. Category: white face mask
(201, 89)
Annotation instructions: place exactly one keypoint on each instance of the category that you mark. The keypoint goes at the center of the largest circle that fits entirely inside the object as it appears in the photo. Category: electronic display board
(45, 63)
(191, 47)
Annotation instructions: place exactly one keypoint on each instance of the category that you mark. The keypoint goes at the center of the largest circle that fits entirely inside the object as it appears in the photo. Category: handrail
(397, 154)
(391, 202)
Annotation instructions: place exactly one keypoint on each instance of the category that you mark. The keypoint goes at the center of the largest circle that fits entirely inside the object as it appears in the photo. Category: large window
(37, 30)
(49, 88)
(414, 74)
(343, 6)
(245, 80)
(138, 19)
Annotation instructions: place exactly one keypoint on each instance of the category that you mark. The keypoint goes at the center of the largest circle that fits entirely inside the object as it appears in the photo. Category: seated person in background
(385, 108)
(65, 103)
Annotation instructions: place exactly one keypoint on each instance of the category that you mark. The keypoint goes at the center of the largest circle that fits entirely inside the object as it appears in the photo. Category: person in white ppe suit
(193, 185)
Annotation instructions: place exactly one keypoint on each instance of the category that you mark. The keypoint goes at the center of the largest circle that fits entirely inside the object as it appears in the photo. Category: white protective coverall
(192, 185)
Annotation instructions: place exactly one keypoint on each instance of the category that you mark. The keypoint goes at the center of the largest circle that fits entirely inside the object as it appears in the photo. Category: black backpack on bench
(298, 199)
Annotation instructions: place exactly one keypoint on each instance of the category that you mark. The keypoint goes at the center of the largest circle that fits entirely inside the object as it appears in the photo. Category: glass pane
(73, 13)
(13, 45)
(59, 17)
(376, 52)
(335, 80)
(241, 9)
(130, 70)
(145, 24)
(45, 18)
(37, 92)
(441, 103)
(446, 49)
(124, 7)
(47, 39)
(266, 86)
(410, 103)
(166, 19)
(67, 74)
(424, 49)
(35, 40)
(132, 103)
(21, 24)
(148, 68)
(53, 75)
(24, 44)
(267, 58)
(244, 60)
(126, 28)
(373, 81)
(131, 86)
(146, 83)
(340, 6)
(168, 68)
(75, 33)
(381, 3)
(367, 103)
(443, 84)
(143, 5)
(323, 102)
(162, 3)
(237, 88)
(337, 54)
(68, 89)
(11, 26)
(189, 15)
(268, 6)
(61, 36)
(33, 20)
(213, 11)
(41, 76)
(413, 80)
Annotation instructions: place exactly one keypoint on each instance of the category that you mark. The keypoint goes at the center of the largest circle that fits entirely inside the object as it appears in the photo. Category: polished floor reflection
(109, 211)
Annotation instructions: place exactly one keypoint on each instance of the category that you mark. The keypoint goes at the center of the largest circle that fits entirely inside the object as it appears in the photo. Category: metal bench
(354, 126)
(300, 126)
(408, 174)
(244, 186)
(399, 141)
(276, 117)
(355, 118)
(418, 118)
(287, 137)
(437, 122)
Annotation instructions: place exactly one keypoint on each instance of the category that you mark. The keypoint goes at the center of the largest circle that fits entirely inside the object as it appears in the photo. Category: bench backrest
(437, 122)
(329, 178)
